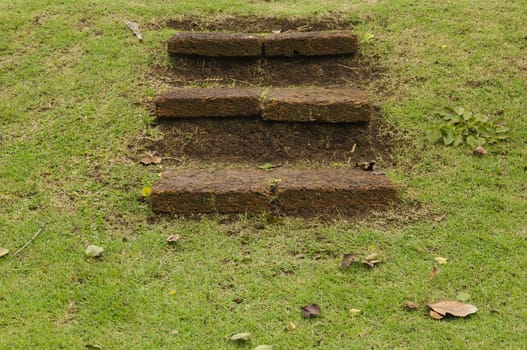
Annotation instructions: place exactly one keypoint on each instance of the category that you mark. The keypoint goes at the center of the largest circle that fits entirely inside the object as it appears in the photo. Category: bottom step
(283, 189)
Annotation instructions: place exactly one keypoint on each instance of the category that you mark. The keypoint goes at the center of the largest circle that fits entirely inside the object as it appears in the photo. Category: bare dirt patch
(353, 71)
(257, 141)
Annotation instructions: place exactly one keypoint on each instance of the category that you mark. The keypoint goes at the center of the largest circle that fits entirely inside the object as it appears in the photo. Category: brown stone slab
(251, 190)
(207, 191)
(333, 188)
(310, 44)
(208, 102)
(322, 105)
(215, 44)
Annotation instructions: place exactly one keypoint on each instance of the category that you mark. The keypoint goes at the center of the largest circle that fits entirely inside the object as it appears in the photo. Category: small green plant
(462, 127)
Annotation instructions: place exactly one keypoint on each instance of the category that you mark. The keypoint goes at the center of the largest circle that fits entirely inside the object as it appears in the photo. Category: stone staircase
(216, 187)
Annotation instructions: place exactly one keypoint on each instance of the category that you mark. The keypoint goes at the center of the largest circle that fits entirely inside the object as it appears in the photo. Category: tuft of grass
(74, 92)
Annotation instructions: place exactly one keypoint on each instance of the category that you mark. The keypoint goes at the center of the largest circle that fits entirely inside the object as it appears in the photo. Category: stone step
(208, 102)
(283, 189)
(340, 105)
(218, 44)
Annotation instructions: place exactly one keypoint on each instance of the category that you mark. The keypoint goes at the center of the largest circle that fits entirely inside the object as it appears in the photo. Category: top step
(217, 44)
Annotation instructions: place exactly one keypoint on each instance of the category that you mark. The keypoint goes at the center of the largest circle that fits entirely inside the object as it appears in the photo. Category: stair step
(277, 104)
(310, 44)
(218, 44)
(208, 102)
(284, 189)
(322, 105)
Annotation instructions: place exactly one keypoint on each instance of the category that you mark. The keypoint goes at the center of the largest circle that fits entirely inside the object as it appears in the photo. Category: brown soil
(254, 24)
(256, 141)
(354, 71)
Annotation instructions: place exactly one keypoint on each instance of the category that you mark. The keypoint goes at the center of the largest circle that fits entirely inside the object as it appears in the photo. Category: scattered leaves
(263, 347)
(172, 239)
(433, 273)
(268, 166)
(146, 192)
(371, 260)
(452, 307)
(462, 127)
(440, 260)
(3, 252)
(93, 251)
(134, 27)
(310, 310)
(355, 312)
(479, 151)
(408, 305)
(150, 160)
(463, 296)
(348, 259)
(241, 337)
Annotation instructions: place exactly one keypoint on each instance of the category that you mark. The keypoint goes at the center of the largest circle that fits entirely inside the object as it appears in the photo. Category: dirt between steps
(256, 141)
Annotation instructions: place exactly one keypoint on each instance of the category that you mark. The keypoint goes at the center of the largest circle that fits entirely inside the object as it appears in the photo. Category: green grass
(73, 87)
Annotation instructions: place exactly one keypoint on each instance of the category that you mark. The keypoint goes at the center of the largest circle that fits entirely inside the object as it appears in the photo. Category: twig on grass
(31, 240)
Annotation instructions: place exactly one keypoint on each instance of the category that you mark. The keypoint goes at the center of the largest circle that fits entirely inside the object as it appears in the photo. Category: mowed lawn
(75, 88)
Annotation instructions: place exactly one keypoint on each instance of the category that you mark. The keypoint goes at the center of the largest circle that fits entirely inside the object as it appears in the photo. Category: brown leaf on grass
(372, 256)
(453, 307)
(433, 273)
(435, 315)
(440, 218)
(479, 151)
(372, 263)
(348, 259)
(408, 305)
(150, 160)
(310, 310)
(172, 239)
(134, 27)
(3, 252)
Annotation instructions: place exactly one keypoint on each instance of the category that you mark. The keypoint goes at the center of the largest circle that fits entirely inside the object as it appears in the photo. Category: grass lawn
(74, 90)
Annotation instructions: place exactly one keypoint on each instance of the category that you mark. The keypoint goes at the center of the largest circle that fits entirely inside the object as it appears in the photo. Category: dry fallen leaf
(372, 263)
(173, 332)
(3, 252)
(454, 308)
(435, 315)
(433, 273)
(292, 325)
(408, 305)
(440, 260)
(355, 312)
(150, 160)
(440, 218)
(241, 337)
(93, 251)
(263, 347)
(310, 310)
(134, 27)
(172, 239)
(372, 256)
(480, 151)
(348, 259)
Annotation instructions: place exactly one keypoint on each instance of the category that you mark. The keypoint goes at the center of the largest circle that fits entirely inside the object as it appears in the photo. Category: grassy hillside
(74, 91)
